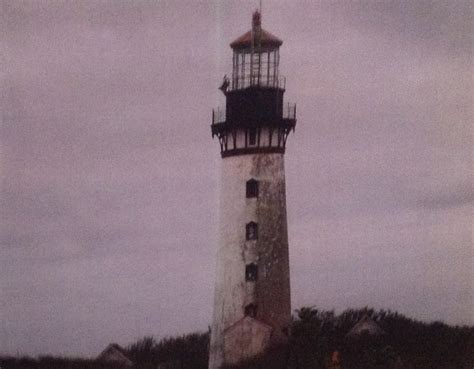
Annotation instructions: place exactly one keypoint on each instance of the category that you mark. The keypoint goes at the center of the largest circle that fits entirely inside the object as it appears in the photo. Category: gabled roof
(115, 353)
(365, 326)
(249, 335)
(248, 320)
(266, 40)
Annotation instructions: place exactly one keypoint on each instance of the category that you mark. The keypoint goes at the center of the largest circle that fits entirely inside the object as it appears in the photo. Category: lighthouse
(252, 307)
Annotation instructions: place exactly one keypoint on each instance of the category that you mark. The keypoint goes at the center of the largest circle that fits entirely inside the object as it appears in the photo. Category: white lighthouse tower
(252, 309)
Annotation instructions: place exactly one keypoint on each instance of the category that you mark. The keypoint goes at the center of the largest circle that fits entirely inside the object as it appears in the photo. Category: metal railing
(289, 111)
(262, 81)
(218, 115)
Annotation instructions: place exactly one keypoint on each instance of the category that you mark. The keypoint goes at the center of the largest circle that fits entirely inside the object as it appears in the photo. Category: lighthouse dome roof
(256, 36)
(266, 40)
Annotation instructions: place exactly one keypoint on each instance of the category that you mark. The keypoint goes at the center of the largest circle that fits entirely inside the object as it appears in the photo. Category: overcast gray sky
(109, 175)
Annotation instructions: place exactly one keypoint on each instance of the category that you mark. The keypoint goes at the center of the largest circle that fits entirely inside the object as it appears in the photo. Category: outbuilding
(116, 354)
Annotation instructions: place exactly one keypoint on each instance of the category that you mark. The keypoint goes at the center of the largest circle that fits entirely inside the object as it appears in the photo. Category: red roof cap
(266, 40)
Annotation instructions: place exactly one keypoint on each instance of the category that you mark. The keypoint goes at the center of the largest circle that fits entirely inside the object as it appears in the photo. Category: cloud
(461, 195)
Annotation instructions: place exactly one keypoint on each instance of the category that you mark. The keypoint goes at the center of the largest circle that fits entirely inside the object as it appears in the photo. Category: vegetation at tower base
(50, 362)
(185, 352)
(315, 337)
(318, 337)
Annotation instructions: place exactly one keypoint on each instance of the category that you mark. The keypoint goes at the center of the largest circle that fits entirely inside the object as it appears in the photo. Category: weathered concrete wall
(271, 291)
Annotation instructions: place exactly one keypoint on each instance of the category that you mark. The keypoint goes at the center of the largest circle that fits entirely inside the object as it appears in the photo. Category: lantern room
(256, 57)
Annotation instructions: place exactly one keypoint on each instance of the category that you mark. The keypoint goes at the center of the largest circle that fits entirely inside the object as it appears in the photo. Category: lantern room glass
(255, 68)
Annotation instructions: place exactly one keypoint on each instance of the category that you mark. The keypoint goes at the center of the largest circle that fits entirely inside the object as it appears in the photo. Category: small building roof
(115, 353)
(365, 326)
(246, 338)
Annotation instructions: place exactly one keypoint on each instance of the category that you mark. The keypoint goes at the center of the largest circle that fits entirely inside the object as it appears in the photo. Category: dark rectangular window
(251, 231)
(251, 272)
(252, 188)
(251, 310)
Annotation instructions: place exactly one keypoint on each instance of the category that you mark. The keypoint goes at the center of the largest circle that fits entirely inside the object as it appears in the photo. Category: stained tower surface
(252, 308)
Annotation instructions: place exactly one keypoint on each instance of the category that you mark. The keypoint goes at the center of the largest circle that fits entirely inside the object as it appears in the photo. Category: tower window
(251, 310)
(251, 231)
(252, 136)
(251, 272)
(252, 188)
